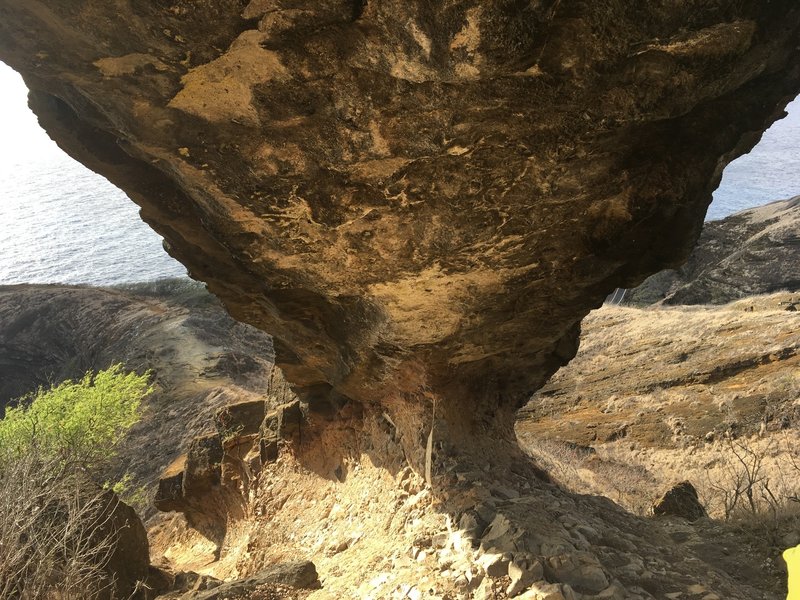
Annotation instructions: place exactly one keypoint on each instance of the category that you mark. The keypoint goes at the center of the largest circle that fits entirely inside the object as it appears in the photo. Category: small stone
(696, 588)
(523, 571)
(471, 526)
(590, 533)
(504, 493)
(541, 590)
(613, 592)
(486, 512)
(484, 591)
(581, 570)
(461, 581)
(495, 564)
(501, 536)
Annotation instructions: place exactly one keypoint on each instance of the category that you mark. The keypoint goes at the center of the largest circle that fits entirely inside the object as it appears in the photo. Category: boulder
(680, 500)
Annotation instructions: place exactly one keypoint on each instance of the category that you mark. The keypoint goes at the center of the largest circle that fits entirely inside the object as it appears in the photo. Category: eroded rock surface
(419, 201)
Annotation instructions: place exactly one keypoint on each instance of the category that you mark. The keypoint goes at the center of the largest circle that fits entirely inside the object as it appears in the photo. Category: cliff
(756, 251)
(420, 202)
(200, 359)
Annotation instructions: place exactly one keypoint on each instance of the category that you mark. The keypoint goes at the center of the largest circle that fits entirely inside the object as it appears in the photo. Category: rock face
(756, 251)
(419, 201)
(129, 561)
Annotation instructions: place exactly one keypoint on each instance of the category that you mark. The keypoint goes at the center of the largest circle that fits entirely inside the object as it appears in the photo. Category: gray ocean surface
(60, 223)
(63, 223)
(770, 172)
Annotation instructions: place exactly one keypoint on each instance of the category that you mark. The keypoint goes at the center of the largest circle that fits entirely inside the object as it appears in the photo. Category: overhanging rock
(419, 200)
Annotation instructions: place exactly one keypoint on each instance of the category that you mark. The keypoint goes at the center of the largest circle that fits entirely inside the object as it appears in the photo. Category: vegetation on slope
(59, 529)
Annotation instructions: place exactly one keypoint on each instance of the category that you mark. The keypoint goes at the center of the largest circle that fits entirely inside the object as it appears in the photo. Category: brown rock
(299, 574)
(169, 495)
(240, 419)
(283, 423)
(420, 201)
(129, 561)
(680, 501)
(203, 464)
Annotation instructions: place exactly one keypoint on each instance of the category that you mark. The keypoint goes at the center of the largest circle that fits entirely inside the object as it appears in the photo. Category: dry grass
(660, 395)
(56, 532)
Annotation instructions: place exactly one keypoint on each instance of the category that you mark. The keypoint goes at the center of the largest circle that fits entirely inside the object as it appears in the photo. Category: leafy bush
(81, 420)
(57, 530)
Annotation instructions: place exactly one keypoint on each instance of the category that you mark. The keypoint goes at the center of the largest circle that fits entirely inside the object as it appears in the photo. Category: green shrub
(81, 421)
(57, 531)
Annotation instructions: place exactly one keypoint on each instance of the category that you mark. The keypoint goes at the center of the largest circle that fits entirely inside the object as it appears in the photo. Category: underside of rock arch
(419, 201)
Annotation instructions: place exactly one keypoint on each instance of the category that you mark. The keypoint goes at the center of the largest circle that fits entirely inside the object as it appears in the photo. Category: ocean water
(61, 223)
(770, 172)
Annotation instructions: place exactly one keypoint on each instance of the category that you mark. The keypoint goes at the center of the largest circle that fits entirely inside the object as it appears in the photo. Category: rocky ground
(655, 396)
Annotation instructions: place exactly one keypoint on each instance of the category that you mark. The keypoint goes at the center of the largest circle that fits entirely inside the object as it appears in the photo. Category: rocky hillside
(756, 251)
(289, 500)
(658, 396)
(201, 359)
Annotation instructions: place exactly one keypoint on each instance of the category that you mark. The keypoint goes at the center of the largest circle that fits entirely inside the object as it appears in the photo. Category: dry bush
(582, 470)
(735, 478)
(56, 536)
(754, 478)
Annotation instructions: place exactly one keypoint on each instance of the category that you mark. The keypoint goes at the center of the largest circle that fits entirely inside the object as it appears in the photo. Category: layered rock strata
(419, 201)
